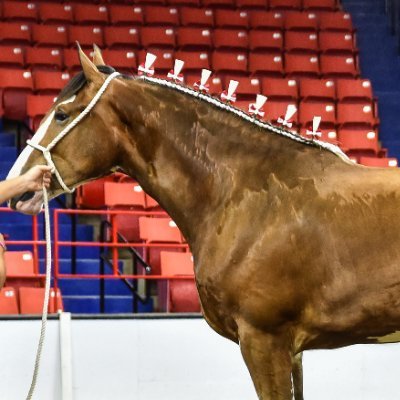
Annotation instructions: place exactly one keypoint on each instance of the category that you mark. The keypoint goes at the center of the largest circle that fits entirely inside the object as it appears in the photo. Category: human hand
(36, 177)
(2, 244)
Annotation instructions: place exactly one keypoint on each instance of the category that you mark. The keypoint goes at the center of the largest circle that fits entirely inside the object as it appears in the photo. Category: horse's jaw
(31, 206)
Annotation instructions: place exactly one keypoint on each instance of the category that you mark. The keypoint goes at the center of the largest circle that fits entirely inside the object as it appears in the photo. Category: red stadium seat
(123, 60)
(55, 301)
(276, 109)
(90, 14)
(283, 89)
(164, 62)
(163, 16)
(36, 107)
(189, 38)
(356, 114)
(182, 293)
(353, 139)
(248, 88)
(338, 66)
(229, 62)
(11, 56)
(16, 84)
(194, 60)
(49, 82)
(218, 3)
(335, 21)
(301, 21)
(194, 3)
(357, 90)
(125, 15)
(327, 134)
(329, 5)
(214, 82)
(8, 301)
(91, 194)
(252, 4)
(266, 40)
(382, 162)
(317, 90)
(196, 17)
(31, 300)
(305, 65)
(230, 39)
(160, 230)
(71, 59)
(285, 4)
(50, 35)
(19, 11)
(158, 37)
(15, 33)
(151, 2)
(121, 37)
(336, 42)
(19, 264)
(231, 19)
(55, 13)
(266, 20)
(301, 42)
(85, 36)
(326, 110)
(265, 64)
(43, 58)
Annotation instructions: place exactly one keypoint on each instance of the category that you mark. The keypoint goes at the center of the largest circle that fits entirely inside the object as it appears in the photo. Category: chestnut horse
(295, 247)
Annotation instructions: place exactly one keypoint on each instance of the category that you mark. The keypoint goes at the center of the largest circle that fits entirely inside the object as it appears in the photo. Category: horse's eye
(60, 116)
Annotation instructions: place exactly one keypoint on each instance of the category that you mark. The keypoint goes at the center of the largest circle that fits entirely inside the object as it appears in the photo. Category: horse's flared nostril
(24, 197)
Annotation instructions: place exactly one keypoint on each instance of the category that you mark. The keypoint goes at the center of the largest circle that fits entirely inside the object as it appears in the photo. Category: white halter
(67, 129)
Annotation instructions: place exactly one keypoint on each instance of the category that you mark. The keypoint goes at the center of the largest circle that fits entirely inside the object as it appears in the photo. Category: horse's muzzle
(28, 203)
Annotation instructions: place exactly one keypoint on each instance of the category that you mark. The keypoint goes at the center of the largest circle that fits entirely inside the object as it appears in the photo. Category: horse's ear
(91, 72)
(97, 57)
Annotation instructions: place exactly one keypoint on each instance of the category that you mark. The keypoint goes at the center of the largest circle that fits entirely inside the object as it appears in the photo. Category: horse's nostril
(24, 197)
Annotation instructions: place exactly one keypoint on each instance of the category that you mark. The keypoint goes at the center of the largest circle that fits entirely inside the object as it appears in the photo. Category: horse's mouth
(28, 203)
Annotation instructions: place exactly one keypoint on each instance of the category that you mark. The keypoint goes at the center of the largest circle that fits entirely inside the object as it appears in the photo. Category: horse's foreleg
(269, 361)
(297, 375)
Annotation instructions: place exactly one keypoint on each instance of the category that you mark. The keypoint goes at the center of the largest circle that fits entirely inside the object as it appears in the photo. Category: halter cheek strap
(67, 129)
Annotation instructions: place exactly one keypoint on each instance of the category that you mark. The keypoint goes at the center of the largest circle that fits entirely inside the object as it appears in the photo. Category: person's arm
(31, 181)
(2, 263)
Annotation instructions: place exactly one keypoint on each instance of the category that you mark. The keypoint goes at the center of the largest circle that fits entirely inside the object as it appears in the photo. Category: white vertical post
(66, 356)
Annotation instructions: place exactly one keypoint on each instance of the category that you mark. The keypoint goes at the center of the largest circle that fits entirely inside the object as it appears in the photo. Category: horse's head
(87, 150)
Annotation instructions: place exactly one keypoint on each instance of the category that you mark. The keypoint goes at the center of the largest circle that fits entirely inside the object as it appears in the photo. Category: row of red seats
(114, 14)
(28, 300)
(191, 38)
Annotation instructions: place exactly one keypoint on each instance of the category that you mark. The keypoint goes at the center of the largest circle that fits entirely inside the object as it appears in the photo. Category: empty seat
(55, 13)
(325, 110)
(301, 42)
(266, 64)
(266, 20)
(284, 89)
(248, 88)
(218, 3)
(277, 109)
(121, 37)
(43, 58)
(266, 40)
(335, 21)
(382, 162)
(55, 301)
(215, 83)
(117, 194)
(19, 11)
(336, 42)
(37, 107)
(71, 59)
(124, 60)
(286, 4)
(196, 17)
(11, 56)
(184, 2)
(356, 114)
(194, 38)
(317, 90)
(15, 33)
(90, 14)
(164, 62)
(19, 264)
(50, 35)
(16, 84)
(301, 65)
(229, 62)
(194, 60)
(158, 37)
(31, 300)
(252, 4)
(230, 39)
(8, 301)
(328, 134)
(231, 19)
(125, 15)
(165, 16)
(49, 82)
(329, 5)
(85, 36)
(349, 90)
(161, 230)
(338, 66)
(356, 139)
(301, 21)
(91, 194)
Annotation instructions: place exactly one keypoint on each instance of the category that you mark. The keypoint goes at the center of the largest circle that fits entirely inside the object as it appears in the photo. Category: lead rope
(46, 295)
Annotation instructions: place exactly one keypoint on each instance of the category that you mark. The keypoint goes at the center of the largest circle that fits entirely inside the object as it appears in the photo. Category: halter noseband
(67, 129)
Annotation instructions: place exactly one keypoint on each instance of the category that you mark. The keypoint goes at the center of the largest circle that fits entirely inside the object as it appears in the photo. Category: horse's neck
(190, 157)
